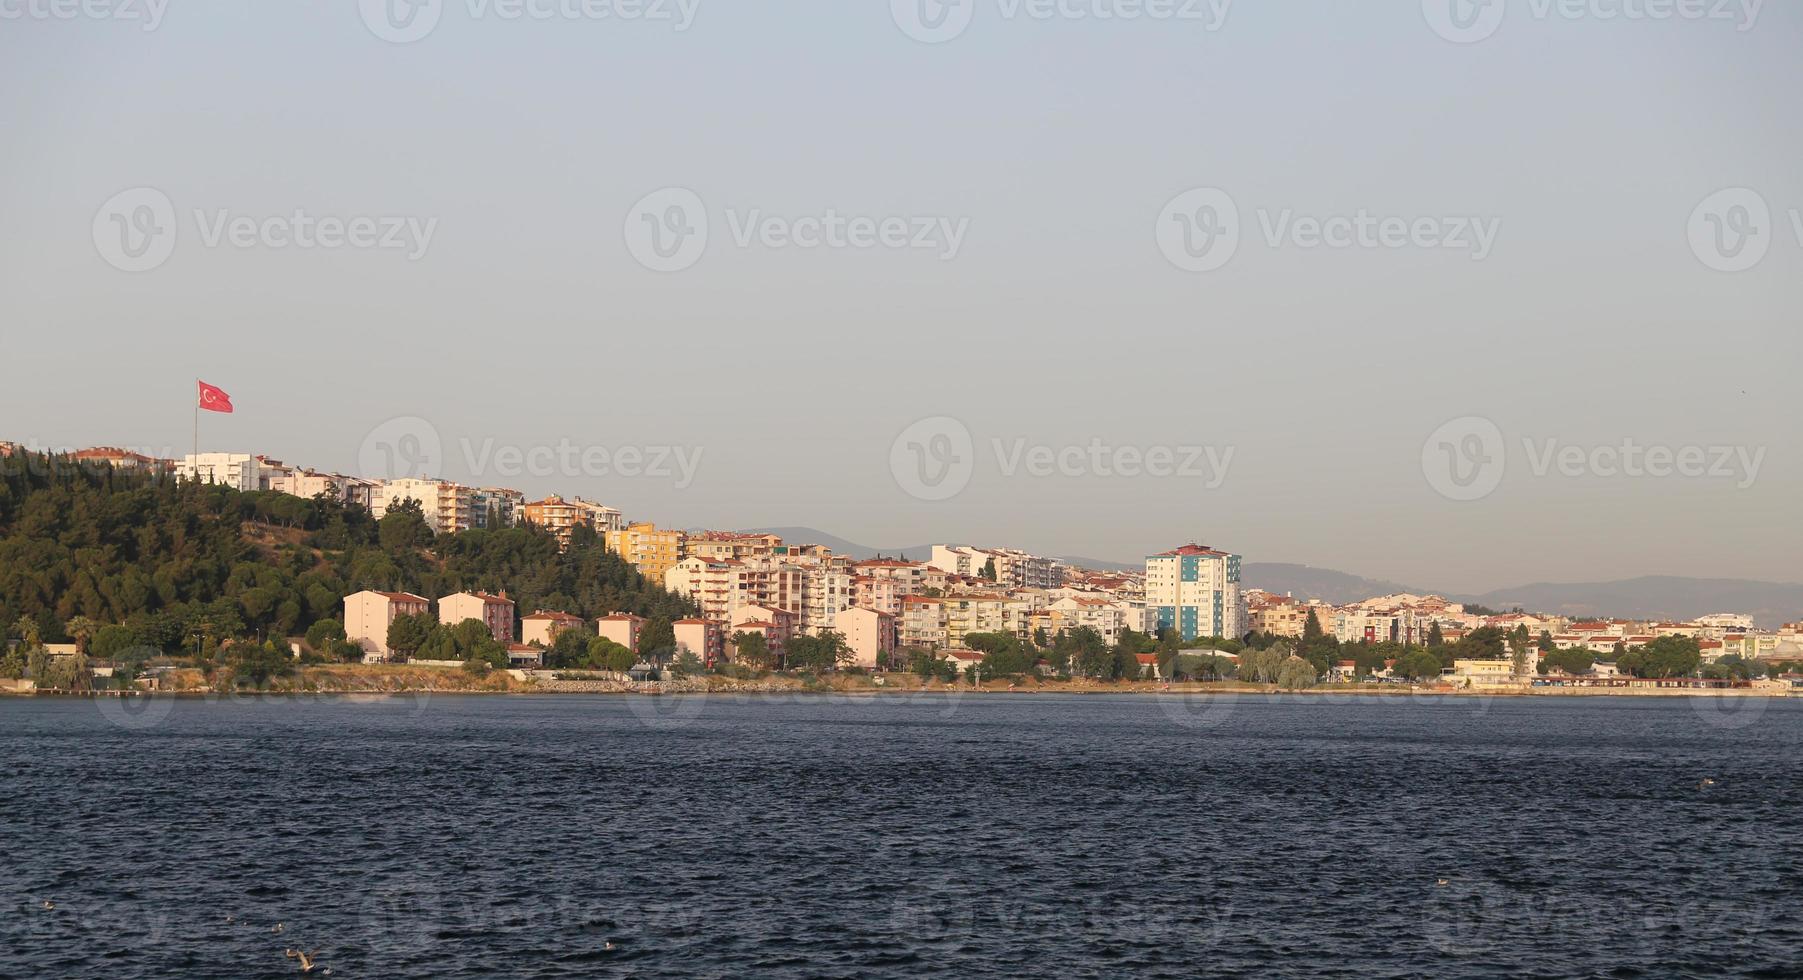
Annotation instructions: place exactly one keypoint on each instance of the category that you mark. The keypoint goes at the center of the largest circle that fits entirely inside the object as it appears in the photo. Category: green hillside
(174, 560)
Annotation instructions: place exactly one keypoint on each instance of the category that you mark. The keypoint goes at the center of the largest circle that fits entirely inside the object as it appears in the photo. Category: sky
(1464, 298)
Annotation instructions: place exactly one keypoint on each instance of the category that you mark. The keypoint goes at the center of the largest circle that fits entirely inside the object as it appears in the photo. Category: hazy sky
(1057, 301)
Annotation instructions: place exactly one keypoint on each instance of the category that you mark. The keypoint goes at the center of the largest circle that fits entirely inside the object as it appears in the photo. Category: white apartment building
(923, 623)
(599, 516)
(1106, 616)
(1012, 568)
(447, 507)
(309, 484)
(826, 591)
(507, 506)
(724, 587)
(240, 471)
(1195, 590)
(985, 613)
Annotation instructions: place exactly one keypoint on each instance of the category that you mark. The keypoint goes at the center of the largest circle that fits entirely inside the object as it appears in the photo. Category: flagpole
(197, 428)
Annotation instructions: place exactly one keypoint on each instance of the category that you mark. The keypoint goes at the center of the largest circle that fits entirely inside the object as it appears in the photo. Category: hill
(176, 560)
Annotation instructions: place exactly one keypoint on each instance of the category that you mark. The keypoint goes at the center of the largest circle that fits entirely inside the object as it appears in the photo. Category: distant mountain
(1649, 597)
(1099, 564)
(840, 546)
(1771, 604)
(1306, 582)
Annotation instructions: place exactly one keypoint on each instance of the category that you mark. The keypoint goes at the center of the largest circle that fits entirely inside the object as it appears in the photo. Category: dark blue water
(472, 837)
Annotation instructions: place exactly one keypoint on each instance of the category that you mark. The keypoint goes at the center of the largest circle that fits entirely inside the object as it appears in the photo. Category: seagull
(1441, 883)
(1706, 782)
(608, 946)
(306, 963)
(230, 919)
(291, 953)
(277, 928)
(49, 905)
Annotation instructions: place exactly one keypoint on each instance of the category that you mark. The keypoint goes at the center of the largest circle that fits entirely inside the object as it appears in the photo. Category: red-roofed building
(124, 459)
(367, 616)
(542, 627)
(702, 638)
(492, 611)
(622, 628)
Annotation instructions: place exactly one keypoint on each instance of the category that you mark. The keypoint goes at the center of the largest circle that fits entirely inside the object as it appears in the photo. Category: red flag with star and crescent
(214, 399)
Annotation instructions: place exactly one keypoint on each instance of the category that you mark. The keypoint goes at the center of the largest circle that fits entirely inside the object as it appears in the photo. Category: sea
(901, 835)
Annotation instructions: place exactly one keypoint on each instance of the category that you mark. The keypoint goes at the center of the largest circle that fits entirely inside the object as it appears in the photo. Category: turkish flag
(214, 399)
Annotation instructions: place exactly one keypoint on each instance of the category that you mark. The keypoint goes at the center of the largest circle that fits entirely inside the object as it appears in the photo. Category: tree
(1435, 638)
(254, 665)
(1483, 643)
(12, 663)
(82, 630)
(1311, 629)
(1733, 667)
(487, 650)
(111, 641)
(26, 629)
(989, 569)
(403, 527)
(687, 664)
(658, 639)
(753, 648)
(322, 635)
(1297, 673)
(1546, 643)
(576, 648)
(1202, 667)
(1003, 655)
(1418, 665)
(69, 673)
(1667, 656)
(1574, 661)
(1519, 646)
(409, 632)
(620, 659)
(1263, 666)
(922, 661)
(822, 651)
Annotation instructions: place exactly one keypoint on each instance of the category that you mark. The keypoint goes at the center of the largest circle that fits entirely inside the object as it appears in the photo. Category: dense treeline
(178, 563)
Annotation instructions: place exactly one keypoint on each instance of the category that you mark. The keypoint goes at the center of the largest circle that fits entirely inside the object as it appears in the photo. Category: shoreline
(508, 685)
